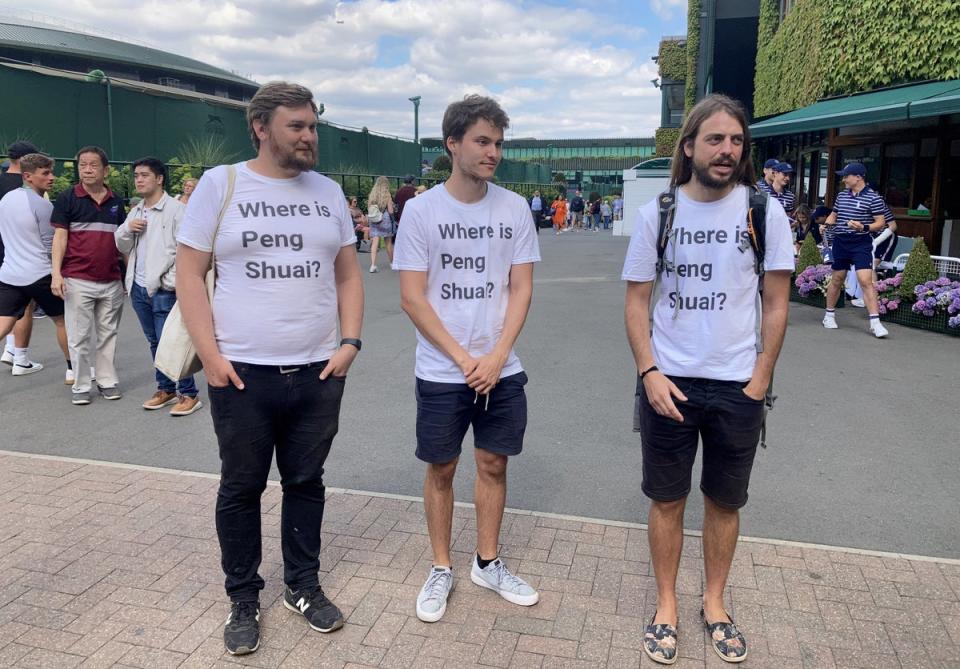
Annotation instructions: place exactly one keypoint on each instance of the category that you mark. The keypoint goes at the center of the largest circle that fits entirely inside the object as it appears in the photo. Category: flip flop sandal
(726, 639)
(660, 642)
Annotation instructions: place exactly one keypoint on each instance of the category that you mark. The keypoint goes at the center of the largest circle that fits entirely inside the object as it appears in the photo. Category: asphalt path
(864, 444)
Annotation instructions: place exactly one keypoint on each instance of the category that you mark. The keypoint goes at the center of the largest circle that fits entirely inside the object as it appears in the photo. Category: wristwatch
(353, 342)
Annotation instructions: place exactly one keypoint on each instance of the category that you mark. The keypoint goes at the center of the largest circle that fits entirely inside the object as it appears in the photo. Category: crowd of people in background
(578, 214)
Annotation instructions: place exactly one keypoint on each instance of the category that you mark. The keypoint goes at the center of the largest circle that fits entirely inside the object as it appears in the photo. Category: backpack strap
(667, 208)
(757, 205)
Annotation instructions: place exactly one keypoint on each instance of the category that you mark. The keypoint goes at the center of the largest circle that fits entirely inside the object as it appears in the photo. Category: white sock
(10, 342)
(21, 357)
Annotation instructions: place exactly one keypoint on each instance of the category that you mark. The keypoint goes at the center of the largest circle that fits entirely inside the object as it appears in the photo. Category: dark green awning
(892, 104)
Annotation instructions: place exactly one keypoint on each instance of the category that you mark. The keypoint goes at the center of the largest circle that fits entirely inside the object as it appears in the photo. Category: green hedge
(666, 140)
(672, 60)
(851, 47)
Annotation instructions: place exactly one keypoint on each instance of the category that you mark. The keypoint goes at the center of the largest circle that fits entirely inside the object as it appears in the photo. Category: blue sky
(560, 68)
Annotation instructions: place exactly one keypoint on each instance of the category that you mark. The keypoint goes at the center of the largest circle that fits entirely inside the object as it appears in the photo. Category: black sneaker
(313, 605)
(241, 634)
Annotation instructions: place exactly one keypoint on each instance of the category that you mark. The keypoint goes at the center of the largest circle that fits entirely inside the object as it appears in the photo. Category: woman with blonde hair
(188, 185)
(380, 213)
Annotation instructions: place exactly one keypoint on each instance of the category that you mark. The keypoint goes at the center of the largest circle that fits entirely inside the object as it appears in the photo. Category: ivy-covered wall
(672, 60)
(833, 47)
(693, 52)
(666, 139)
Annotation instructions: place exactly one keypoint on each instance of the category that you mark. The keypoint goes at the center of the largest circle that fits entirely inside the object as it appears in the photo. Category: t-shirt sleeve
(412, 250)
(778, 254)
(641, 261)
(199, 222)
(347, 234)
(61, 217)
(877, 208)
(527, 246)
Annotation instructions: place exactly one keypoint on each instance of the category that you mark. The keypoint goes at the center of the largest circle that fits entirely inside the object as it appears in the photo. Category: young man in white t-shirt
(287, 272)
(25, 273)
(703, 375)
(465, 253)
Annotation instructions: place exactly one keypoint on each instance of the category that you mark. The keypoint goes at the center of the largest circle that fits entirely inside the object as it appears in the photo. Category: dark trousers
(297, 414)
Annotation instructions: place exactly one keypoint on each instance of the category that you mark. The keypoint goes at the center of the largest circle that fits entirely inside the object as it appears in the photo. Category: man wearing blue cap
(857, 211)
(766, 183)
(781, 179)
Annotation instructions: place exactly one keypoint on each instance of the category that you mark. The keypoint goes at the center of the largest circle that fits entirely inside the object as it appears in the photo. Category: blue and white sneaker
(495, 576)
(432, 600)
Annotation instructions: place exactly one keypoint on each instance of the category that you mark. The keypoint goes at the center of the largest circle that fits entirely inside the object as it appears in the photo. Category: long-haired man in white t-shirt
(465, 253)
(287, 273)
(701, 375)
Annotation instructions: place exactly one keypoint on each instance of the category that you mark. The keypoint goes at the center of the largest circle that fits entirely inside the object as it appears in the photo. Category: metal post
(416, 129)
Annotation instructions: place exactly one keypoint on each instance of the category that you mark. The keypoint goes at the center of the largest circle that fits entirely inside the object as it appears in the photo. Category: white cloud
(559, 72)
(665, 8)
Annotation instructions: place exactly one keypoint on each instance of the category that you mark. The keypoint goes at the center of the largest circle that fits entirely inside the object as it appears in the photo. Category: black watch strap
(651, 368)
(353, 342)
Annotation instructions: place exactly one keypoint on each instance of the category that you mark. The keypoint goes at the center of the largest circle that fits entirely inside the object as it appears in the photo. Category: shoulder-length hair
(681, 168)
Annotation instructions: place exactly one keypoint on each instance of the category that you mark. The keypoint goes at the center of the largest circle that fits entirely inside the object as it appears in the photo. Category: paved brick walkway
(105, 565)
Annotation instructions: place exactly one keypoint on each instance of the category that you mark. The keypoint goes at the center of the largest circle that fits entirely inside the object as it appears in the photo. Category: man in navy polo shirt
(766, 183)
(781, 180)
(86, 272)
(857, 211)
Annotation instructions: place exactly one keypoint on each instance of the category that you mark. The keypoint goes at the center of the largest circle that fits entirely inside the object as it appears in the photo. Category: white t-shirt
(714, 284)
(27, 236)
(467, 251)
(275, 301)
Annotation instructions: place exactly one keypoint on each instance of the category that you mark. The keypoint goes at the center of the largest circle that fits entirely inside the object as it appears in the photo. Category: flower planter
(814, 299)
(906, 316)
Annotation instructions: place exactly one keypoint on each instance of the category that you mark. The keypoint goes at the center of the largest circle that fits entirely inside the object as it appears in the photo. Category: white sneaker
(858, 302)
(830, 322)
(69, 378)
(498, 578)
(432, 600)
(7, 357)
(878, 330)
(29, 368)
(374, 269)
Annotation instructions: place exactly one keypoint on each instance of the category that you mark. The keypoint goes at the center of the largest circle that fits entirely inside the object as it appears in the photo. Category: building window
(672, 112)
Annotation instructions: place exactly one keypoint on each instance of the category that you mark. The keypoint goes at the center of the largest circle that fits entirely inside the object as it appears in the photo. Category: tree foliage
(852, 47)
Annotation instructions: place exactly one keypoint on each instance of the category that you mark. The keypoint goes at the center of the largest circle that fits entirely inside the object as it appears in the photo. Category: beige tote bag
(176, 355)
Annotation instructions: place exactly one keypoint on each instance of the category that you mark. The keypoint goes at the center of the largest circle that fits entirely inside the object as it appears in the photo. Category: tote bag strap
(227, 197)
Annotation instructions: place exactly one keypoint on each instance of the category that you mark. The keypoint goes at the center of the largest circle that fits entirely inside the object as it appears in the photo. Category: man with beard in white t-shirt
(703, 374)
(465, 253)
(287, 272)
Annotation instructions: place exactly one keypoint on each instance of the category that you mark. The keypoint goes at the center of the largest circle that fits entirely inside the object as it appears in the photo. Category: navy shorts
(446, 410)
(14, 300)
(852, 249)
(721, 415)
(884, 250)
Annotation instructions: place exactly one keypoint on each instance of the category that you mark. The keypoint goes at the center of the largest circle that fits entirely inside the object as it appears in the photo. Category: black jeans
(297, 414)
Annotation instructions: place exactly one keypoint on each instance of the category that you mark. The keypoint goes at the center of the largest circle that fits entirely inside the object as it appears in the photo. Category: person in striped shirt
(781, 179)
(857, 211)
(767, 181)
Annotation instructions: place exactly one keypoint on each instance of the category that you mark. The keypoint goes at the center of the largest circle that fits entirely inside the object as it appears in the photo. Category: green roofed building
(582, 161)
(28, 43)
